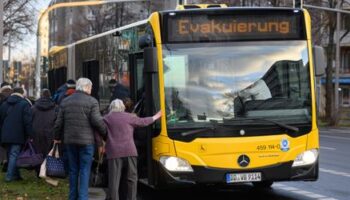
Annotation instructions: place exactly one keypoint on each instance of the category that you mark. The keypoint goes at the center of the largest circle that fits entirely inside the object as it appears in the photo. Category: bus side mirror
(319, 60)
(150, 60)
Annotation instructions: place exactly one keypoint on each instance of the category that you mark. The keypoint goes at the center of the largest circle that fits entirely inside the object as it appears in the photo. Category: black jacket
(78, 119)
(15, 120)
(44, 115)
(120, 92)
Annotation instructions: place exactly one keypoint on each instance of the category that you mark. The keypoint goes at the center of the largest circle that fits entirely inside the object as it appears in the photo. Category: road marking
(302, 192)
(335, 137)
(335, 172)
(328, 198)
(329, 148)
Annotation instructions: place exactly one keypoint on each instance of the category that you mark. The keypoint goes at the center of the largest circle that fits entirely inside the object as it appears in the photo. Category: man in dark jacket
(119, 90)
(5, 92)
(16, 128)
(78, 119)
(63, 91)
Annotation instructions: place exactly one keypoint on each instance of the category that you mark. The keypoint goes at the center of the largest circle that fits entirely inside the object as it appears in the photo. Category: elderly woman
(121, 150)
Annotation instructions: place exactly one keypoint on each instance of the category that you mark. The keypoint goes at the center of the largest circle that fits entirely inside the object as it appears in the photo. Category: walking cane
(97, 178)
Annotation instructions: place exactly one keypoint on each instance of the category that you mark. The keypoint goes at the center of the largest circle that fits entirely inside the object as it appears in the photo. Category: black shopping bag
(55, 164)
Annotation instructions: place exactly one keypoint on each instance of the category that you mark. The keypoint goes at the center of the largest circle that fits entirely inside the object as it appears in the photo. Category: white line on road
(328, 148)
(335, 137)
(335, 172)
(302, 192)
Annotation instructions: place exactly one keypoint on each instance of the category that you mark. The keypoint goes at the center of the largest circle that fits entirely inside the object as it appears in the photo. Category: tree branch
(344, 35)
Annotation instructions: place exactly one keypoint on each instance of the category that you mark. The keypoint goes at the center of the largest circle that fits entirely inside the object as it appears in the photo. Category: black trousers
(122, 173)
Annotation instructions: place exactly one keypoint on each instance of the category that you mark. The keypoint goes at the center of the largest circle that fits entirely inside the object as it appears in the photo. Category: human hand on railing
(57, 141)
(157, 115)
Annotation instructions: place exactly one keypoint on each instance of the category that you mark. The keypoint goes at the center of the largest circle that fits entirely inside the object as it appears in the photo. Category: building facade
(345, 60)
(344, 70)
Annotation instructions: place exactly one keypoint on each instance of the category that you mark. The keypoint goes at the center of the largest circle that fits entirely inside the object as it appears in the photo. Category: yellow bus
(235, 87)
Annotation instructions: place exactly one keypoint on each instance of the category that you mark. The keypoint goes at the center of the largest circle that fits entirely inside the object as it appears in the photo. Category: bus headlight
(306, 158)
(175, 164)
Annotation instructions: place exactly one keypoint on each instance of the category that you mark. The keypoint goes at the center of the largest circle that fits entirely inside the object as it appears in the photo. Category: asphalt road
(333, 183)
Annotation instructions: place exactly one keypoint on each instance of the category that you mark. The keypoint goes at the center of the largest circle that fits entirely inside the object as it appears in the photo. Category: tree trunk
(329, 74)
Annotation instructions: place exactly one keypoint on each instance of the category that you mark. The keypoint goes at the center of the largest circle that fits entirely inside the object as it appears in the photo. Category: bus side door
(137, 87)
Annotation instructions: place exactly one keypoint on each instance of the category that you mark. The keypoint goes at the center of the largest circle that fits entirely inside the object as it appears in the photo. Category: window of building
(345, 100)
(345, 22)
(345, 58)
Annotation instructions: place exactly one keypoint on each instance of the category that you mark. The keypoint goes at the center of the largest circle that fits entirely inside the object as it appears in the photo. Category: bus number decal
(268, 147)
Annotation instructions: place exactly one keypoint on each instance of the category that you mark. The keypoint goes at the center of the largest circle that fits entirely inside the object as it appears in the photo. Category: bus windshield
(236, 81)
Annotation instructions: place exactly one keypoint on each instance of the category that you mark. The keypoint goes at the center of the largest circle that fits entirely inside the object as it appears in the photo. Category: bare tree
(99, 19)
(18, 19)
(324, 29)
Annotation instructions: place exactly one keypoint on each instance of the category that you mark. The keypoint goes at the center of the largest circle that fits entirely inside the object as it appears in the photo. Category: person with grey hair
(78, 119)
(121, 150)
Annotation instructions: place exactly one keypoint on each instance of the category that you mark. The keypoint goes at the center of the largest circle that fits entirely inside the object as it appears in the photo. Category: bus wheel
(263, 184)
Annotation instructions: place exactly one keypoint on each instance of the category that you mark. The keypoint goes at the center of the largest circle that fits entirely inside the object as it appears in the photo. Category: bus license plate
(243, 177)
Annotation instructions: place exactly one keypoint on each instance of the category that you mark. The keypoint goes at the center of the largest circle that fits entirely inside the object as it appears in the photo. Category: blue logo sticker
(284, 145)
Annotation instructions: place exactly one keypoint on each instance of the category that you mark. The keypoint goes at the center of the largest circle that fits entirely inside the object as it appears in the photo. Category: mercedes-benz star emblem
(243, 160)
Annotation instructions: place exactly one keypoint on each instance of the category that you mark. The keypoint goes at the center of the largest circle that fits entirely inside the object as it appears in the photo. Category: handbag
(55, 164)
(28, 158)
(42, 174)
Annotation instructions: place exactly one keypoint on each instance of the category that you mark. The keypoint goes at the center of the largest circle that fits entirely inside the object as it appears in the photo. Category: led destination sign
(204, 28)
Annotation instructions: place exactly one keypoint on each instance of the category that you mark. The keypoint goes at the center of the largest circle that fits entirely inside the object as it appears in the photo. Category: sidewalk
(97, 194)
(336, 130)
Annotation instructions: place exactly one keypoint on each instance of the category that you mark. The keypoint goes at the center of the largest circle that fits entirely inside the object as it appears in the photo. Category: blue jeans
(64, 157)
(79, 162)
(13, 151)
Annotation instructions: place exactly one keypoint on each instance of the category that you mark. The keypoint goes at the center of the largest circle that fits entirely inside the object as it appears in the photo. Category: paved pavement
(333, 183)
(96, 194)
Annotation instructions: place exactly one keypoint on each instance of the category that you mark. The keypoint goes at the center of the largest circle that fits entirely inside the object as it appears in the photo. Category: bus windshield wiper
(282, 125)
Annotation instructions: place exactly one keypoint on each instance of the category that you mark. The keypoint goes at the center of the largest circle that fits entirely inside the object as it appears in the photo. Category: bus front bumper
(208, 176)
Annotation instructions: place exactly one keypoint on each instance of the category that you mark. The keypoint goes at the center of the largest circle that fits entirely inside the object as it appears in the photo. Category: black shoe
(14, 179)
(18, 179)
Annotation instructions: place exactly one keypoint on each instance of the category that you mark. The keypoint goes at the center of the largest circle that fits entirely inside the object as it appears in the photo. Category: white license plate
(243, 177)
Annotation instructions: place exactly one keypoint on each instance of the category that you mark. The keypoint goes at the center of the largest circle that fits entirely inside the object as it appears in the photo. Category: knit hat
(70, 83)
(5, 85)
(112, 83)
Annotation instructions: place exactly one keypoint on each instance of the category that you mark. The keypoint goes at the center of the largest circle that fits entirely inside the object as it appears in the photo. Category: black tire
(263, 184)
